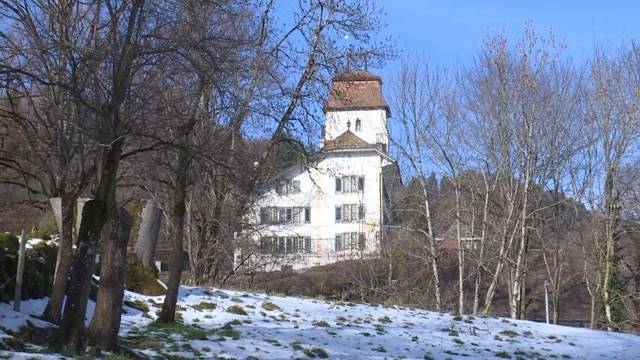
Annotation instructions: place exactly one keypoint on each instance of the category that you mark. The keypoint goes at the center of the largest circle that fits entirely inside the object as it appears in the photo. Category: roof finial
(348, 124)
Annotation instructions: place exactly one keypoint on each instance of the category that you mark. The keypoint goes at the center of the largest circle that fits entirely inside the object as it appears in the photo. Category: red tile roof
(347, 140)
(360, 90)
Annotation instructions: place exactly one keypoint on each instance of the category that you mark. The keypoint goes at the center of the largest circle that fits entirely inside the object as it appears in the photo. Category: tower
(357, 107)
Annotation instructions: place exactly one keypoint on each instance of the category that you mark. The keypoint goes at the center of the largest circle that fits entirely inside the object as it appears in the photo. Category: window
(350, 241)
(349, 184)
(285, 215)
(358, 125)
(349, 213)
(285, 245)
(288, 187)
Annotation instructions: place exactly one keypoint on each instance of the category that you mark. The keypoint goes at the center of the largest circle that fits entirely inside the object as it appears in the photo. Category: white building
(337, 207)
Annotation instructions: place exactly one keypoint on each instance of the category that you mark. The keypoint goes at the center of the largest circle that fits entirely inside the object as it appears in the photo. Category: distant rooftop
(357, 90)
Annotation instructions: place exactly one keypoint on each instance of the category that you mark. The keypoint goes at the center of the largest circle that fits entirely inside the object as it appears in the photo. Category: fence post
(20, 272)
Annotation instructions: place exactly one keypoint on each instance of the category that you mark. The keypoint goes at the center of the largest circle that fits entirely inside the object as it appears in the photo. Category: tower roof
(357, 90)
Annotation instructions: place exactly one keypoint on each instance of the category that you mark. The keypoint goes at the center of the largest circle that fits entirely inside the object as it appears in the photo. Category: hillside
(239, 325)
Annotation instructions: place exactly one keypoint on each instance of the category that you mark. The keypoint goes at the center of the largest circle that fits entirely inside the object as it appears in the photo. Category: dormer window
(358, 125)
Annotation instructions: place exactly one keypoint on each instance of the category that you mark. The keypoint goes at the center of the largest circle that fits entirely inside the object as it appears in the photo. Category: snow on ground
(275, 327)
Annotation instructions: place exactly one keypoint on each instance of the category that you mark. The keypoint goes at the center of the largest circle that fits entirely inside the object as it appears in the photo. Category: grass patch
(453, 332)
(138, 305)
(273, 342)
(205, 306)
(269, 306)
(316, 351)
(235, 309)
(509, 333)
(320, 323)
(503, 354)
(227, 331)
(188, 332)
(380, 349)
(458, 341)
(297, 345)
(385, 320)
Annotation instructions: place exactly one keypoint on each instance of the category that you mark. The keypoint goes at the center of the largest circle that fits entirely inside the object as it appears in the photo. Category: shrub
(142, 280)
(385, 319)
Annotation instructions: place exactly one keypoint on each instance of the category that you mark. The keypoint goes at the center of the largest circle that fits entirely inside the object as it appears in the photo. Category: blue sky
(450, 32)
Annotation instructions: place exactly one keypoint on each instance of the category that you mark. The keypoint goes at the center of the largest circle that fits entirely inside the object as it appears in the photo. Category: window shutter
(338, 185)
(338, 214)
(361, 212)
(296, 186)
(361, 183)
(289, 245)
(307, 245)
(307, 215)
(361, 242)
(338, 244)
(281, 245)
(264, 215)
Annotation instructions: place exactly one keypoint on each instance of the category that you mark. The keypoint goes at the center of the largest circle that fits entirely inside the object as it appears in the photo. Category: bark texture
(149, 232)
(103, 331)
(53, 310)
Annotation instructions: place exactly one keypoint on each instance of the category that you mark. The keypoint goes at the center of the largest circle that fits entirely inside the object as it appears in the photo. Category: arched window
(358, 125)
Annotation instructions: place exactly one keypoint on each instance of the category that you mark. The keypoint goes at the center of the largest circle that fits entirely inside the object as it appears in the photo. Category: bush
(9, 242)
(39, 267)
(142, 280)
(46, 227)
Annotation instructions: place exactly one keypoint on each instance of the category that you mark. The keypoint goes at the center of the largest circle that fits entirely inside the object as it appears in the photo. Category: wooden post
(20, 272)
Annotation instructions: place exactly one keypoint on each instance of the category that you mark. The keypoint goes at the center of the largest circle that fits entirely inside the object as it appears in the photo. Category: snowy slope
(286, 327)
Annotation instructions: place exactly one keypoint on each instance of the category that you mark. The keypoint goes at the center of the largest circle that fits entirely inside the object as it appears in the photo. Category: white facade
(372, 129)
(333, 210)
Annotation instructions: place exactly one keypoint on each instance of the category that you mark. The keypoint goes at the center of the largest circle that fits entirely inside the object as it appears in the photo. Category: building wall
(317, 190)
(374, 125)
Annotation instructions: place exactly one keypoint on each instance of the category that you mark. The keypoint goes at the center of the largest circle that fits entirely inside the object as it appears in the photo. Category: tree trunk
(610, 226)
(431, 244)
(460, 252)
(521, 260)
(71, 335)
(148, 235)
(53, 310)
(177, 226)
(483, 235)
(103, 331)
(505, 246)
